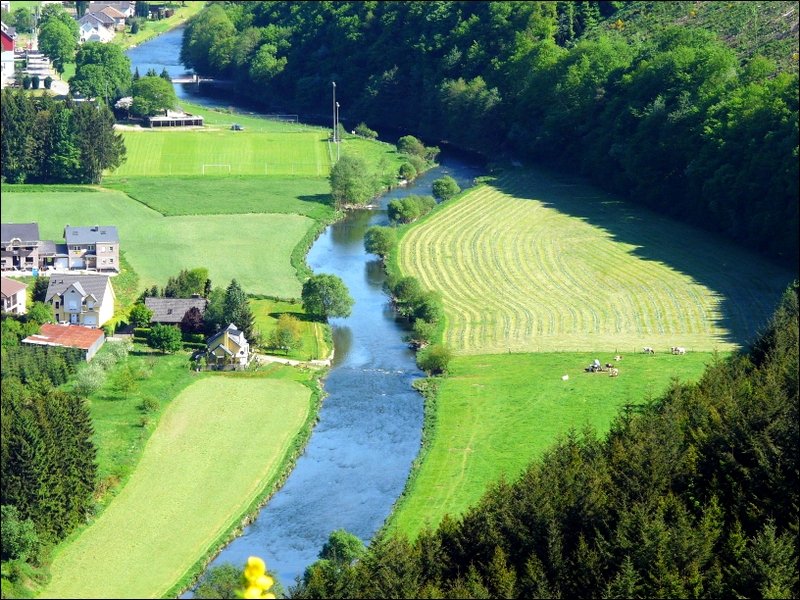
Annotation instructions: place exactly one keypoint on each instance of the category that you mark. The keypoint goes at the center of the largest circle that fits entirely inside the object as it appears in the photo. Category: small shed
(88, 339)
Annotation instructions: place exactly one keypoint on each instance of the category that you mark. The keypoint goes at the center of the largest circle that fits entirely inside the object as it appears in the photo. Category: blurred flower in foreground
(256, 579)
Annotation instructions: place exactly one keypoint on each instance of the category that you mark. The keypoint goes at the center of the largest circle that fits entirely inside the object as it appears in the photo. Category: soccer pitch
(217, 151)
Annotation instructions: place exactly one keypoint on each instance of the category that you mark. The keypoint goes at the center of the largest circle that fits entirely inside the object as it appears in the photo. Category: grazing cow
(614, 372)
(648, 350)
(678, 350)
(564, 377)
(617, 358)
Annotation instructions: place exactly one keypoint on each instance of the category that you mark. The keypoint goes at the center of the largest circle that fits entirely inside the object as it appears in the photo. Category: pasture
(534, 263)
(217, 445)
(218, 151)
(255, 249)
(496, 413)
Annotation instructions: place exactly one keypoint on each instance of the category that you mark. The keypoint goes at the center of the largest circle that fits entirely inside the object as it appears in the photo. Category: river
(360, 452)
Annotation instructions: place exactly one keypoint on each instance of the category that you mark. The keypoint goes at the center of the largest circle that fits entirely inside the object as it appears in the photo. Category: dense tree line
(695, 494)
(51, 141)
(671, 117)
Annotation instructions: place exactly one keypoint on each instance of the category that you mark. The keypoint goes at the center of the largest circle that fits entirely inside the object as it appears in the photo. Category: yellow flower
(255, 568)
(252, 592)
(264, 582)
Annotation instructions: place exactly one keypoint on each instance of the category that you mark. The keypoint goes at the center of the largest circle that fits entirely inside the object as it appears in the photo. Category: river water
(360, 452)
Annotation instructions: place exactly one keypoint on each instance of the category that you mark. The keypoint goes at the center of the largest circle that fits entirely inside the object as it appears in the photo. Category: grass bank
(313, 344)
(494, 414)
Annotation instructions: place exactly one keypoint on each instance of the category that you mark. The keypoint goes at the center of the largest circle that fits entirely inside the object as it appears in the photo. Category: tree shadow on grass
(748, 286)
(325, 199)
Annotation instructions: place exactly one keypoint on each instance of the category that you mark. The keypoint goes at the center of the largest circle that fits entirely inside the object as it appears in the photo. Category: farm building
(13, 296)
(69, 336)
(171, 310)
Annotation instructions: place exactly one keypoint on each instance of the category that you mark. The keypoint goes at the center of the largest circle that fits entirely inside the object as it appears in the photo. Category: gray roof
(91, 284)
(27, 232)
(91, 235)
(102, 17)
(50, 248)
(171, 310)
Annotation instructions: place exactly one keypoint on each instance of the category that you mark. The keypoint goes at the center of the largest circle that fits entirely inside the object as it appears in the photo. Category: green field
(255, 249)
(313, 346)
(217, 444)
(219, 151)
(185, 195)
(496, 413)
(534, 263)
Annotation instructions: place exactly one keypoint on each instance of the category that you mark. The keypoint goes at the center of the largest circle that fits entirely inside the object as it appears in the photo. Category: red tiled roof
(72, 336)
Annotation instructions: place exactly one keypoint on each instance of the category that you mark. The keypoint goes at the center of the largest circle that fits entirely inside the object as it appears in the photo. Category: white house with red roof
(8, 36)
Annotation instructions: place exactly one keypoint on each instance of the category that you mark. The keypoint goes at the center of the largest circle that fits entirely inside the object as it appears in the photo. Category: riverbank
(151, 29)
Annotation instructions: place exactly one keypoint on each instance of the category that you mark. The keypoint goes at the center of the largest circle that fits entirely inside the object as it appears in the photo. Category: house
(81, 299)
(128, 9)
(93, 248)
(69, 336)
(117, 16)
(9, 37)
(13, 296)
(94, 28)
(171, 310)
(227, 349)
(20, 246)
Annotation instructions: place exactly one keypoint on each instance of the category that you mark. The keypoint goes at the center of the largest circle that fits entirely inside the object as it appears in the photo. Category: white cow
(678, 350)
(648, 350)
(614, 372)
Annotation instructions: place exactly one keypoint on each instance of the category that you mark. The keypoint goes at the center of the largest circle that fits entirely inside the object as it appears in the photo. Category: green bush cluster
(410, 208)
(422, 308)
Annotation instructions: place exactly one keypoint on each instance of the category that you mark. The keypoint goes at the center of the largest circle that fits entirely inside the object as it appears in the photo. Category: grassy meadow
(255, 249)
(216, 446)
(313, 344)
(533, 263)
(495, 413)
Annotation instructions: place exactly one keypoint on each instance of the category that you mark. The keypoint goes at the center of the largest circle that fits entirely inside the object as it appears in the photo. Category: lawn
(532, 263)
(308, 196)
(217, 446)
(254, 249)
(496, 413)
(313, 346)
(219, 151)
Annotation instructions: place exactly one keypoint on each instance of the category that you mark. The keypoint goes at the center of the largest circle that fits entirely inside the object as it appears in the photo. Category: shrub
(445, 188)
(26, 82)
(364, 131)
(380, 240)
(140, 316)
(165, 338)
(407, 171)
(119, 350)
(89, 380)
(149, 405)
(48, 82)
(408, 144)
(418, 163)
(35, 82)
(435, 359)
(141, 331)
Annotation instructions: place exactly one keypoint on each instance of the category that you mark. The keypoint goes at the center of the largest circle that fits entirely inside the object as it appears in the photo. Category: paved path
(268, 358)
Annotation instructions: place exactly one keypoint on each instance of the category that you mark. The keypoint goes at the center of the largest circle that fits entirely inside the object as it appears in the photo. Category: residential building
(8, 37)
(171, 310)
(20, 246)
(227, 349)
(95, 28)
(93, 248)
(81, 299)
(118, 17)
(128, 9)
(69, 336)
(13, 295)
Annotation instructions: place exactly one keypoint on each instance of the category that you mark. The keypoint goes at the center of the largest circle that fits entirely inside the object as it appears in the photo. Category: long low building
(69, 336)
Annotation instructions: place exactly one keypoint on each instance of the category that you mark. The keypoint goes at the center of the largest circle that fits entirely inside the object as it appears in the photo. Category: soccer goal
(216, 169)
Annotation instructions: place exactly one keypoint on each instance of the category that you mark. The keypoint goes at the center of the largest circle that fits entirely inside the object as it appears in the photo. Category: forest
(694, 494)
(670, 104)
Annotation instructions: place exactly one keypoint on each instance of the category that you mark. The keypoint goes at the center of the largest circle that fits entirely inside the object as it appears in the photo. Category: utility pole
(337, 131)
(334, 110)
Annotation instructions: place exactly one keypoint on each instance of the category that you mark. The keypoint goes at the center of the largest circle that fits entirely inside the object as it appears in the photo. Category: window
(58, 304)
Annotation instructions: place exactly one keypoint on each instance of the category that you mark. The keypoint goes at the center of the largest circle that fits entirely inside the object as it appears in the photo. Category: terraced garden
(531, 263)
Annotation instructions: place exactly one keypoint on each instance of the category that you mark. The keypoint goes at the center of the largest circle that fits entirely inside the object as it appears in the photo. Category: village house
(81, 299)
(227, 349)
(95, 28)
(127, 9)
(93, 248)
(8, 36)
(170, 311)
(117, 16)
(13, 295)
(69, 336)
(20, 246)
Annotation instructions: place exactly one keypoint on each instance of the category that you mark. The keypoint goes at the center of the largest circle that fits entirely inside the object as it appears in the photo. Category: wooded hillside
(672, 105)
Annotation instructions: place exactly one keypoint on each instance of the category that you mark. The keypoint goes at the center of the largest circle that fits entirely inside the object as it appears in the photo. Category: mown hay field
(254, 249)
(216, 446)
(497, 413)
(533, 263)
